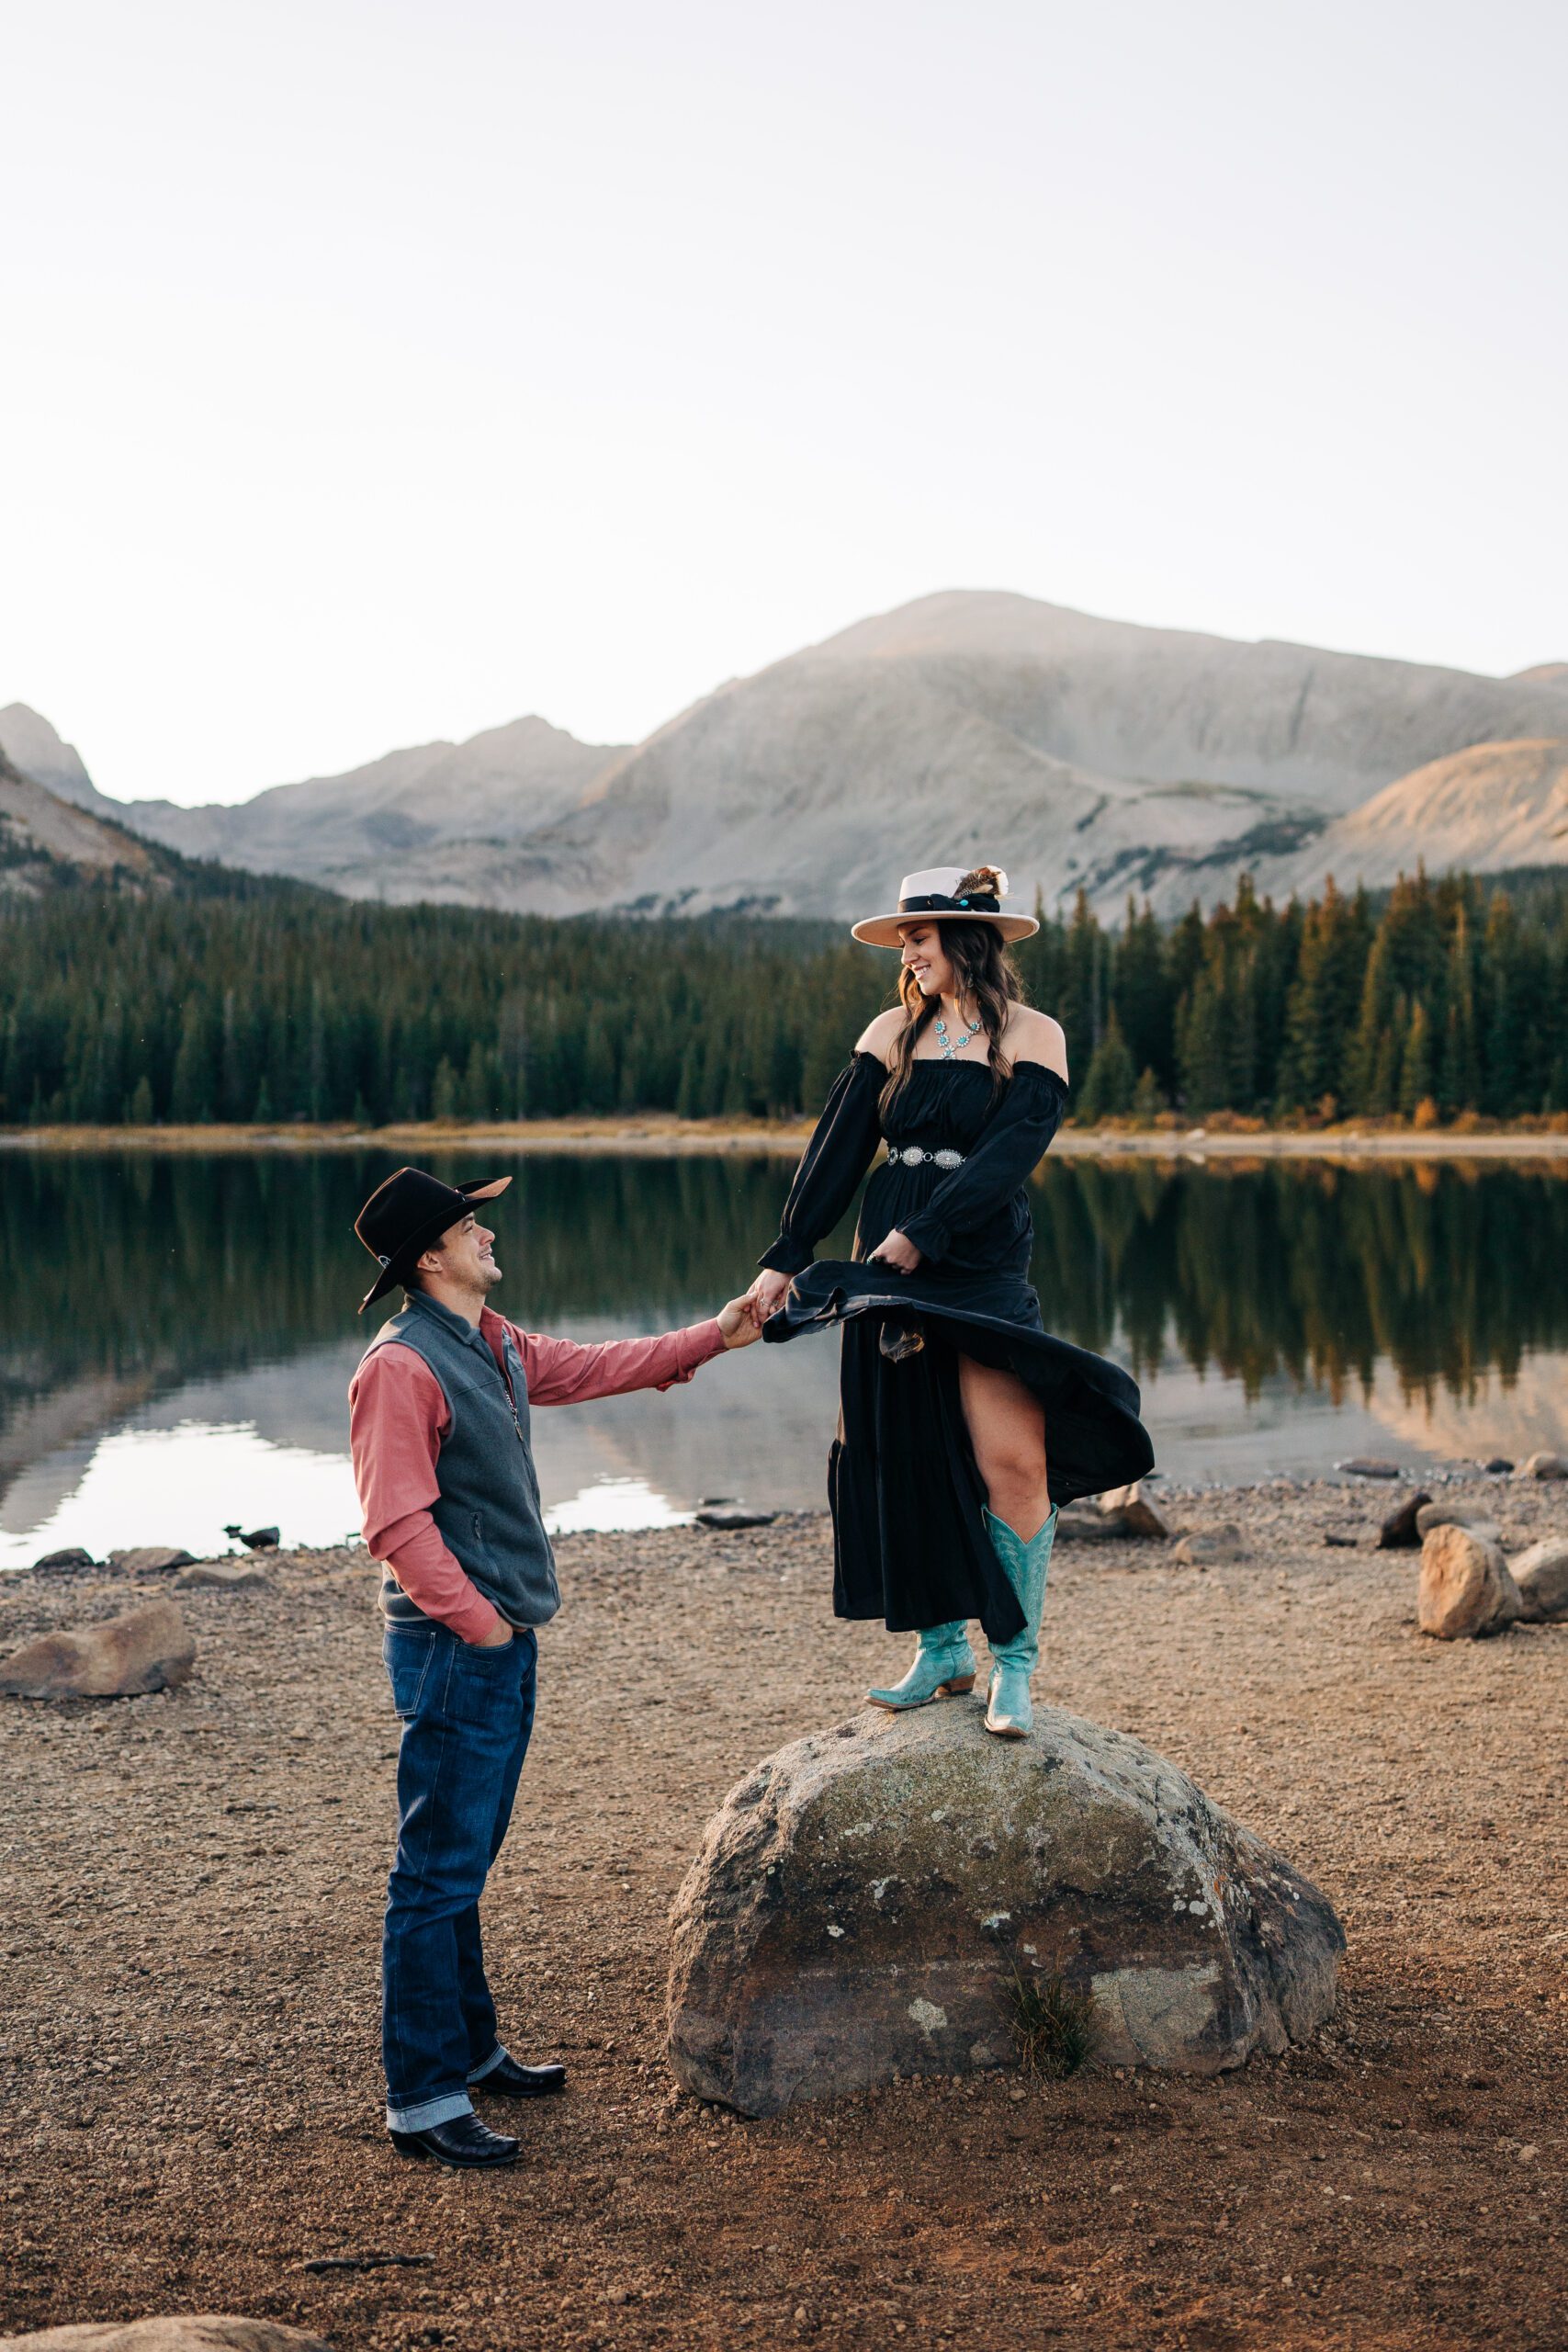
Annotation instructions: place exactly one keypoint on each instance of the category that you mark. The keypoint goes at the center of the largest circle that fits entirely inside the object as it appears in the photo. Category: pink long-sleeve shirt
(398, 1415)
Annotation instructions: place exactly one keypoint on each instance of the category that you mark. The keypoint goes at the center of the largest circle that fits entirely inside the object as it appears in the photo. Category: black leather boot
(465, 2144)
(514, 2081)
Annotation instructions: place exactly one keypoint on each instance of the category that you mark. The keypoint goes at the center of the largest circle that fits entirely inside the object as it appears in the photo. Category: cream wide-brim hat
(933, 897)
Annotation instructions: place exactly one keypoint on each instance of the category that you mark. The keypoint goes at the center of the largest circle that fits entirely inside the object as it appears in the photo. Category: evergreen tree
(1140, 991)
(1415, 1067)
(1202, 1053)
(1460, 1078)
(191, 1086)
(689, 1092)
(1370, 1078)
(1381, 1094)
(1111, 1082)
(1148, 1100)
(1079, 1012)
(444, 1091)
(478, 1090)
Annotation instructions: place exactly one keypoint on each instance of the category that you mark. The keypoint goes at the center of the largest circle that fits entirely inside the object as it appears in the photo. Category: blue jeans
(466, 1713)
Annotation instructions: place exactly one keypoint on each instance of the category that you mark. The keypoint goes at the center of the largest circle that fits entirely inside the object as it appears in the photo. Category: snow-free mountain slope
(1080, 751)
(30, 743)
(45, 839)
(1492, 809)
(357, 831)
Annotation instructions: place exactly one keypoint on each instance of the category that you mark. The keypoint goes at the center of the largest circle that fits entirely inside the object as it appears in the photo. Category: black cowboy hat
(406, 1214)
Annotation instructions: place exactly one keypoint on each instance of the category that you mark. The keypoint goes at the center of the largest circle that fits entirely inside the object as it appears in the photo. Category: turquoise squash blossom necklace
(954, 1045)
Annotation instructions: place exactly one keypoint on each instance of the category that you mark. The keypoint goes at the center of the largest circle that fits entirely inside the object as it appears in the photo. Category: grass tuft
(1053, 2029)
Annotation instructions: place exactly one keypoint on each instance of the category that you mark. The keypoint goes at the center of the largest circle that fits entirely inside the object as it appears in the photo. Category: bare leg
(1006, 1430)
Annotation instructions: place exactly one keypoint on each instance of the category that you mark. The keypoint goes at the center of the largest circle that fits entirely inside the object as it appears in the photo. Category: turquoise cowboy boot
(1009, 1710)
(943, 1667)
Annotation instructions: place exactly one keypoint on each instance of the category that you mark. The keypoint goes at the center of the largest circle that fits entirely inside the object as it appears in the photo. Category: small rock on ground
(1546, 1465)
(72, 1556)
(1541, 1576)
(1073, 1526)
(223, 1576)
(1469, 1515)
(150, 1559)
(1133, 1514)
(144, 1649)
(1206, 1543)
(1466, 1588)
(1399, 1531)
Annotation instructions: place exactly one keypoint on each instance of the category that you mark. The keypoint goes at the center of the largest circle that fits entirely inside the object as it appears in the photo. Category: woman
(963, 1424)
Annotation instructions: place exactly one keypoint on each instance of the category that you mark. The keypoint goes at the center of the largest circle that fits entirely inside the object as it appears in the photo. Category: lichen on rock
(862, 1897)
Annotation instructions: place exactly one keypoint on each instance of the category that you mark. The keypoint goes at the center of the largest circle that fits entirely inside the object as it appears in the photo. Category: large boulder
(146, 1649)
(178, 2331)
(150, 1559)
(861, 1900)
(1465, 1590)
(1546, 1465)
(1541, 1576)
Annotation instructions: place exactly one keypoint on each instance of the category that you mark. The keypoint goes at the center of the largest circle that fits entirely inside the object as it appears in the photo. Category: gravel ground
(190, 2096)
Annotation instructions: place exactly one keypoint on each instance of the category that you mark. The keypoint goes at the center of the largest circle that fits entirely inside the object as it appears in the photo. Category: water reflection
(178, 1330)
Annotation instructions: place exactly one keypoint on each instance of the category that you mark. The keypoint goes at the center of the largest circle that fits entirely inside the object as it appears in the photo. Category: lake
(178, 1329)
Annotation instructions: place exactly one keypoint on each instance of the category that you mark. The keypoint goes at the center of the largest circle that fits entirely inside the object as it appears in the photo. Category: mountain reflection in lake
(178, 1331)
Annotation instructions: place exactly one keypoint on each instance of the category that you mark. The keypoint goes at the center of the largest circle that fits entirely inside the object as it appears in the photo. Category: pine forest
(272, 1002)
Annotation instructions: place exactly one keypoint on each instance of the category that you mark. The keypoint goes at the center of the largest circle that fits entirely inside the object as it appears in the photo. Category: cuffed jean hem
(430, 2112)
(488, 2066)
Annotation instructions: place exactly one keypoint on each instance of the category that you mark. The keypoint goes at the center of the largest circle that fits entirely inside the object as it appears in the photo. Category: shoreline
(661, 1136)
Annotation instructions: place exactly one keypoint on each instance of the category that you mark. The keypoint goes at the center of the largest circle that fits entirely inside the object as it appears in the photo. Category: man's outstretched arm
(565, 1372)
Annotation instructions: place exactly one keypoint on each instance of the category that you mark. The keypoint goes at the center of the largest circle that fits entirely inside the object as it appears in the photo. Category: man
(438, 1416)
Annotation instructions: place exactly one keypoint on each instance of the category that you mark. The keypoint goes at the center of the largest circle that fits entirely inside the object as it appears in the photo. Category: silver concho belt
(912, 1155)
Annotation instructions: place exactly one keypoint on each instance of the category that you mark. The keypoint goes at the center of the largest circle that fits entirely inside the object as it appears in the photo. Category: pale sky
(375, 373)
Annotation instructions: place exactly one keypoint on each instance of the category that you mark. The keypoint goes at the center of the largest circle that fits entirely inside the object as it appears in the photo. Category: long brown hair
(983, 972)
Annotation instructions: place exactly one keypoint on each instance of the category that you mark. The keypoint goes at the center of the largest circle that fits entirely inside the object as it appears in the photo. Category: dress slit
(910, 1543)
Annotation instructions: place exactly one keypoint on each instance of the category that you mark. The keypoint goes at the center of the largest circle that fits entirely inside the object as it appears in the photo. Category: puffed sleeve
(1005, 1158)
(842, 1149)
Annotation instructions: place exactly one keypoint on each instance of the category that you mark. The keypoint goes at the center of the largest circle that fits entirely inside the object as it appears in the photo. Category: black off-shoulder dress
(909, 1541)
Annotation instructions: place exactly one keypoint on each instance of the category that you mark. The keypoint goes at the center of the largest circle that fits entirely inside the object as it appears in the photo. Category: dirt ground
(189, 2094)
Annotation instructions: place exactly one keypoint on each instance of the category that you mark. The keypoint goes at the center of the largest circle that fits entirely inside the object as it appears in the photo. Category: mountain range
(47, 839)
(1077, 751)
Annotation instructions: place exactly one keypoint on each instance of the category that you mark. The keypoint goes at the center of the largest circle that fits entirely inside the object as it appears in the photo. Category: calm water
(177, 1334)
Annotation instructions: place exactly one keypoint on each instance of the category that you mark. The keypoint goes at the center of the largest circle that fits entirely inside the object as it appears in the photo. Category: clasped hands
(766, 1294)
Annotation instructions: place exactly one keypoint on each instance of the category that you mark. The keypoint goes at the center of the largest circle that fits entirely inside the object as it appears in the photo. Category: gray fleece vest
(488, 1511)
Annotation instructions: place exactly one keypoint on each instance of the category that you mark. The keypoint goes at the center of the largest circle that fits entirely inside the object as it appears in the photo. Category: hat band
(932, 903)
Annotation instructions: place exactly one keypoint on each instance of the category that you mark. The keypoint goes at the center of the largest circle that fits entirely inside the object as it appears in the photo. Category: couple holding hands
(963, 1425)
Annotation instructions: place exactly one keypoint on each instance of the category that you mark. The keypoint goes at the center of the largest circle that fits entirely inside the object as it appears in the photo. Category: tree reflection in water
(152, 1270)
(1442, 1271)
